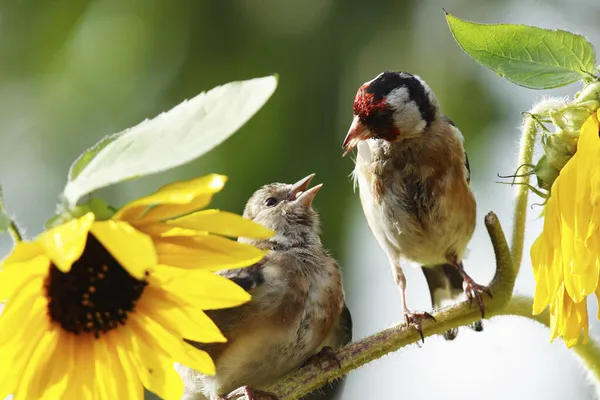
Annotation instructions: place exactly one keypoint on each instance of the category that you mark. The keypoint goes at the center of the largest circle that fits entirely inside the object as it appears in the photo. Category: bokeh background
(74, 71)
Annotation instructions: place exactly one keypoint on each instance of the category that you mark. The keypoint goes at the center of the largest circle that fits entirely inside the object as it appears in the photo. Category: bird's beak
(305, 198)
(299, 186)
(357, 132)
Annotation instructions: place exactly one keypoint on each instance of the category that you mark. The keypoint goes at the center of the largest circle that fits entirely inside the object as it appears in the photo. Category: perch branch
(306, 379)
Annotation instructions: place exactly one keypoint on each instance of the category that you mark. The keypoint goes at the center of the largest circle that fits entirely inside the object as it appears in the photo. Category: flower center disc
(95, 296)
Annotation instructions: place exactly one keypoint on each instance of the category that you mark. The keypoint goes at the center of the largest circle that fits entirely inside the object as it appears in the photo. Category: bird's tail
(445, 286)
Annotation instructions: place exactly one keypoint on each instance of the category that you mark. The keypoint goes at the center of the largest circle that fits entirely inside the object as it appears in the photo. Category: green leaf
(173, 138)
(532, 57)
(84, 159)
(101, 209)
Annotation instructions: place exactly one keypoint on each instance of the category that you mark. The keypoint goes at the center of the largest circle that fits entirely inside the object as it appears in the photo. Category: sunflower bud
(546, 174)
(560, 145)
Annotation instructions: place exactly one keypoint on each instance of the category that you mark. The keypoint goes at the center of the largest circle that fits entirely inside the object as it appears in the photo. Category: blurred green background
(74, 71)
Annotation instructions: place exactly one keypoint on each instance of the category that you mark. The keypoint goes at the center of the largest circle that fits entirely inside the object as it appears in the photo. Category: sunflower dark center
(95, 296)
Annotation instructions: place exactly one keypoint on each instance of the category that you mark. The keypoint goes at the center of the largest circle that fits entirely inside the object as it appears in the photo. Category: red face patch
(365, 104)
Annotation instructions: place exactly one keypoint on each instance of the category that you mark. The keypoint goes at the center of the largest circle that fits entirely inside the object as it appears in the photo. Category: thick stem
(528, 137)
(588, 353)
(306, 379)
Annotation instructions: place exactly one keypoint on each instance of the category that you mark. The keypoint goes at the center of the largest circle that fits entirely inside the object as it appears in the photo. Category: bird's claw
(415, 319)
(475, 290)
(325, 356)
(249, 393)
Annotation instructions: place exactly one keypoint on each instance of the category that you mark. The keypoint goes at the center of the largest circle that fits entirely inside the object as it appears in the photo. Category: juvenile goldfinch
(297, 308)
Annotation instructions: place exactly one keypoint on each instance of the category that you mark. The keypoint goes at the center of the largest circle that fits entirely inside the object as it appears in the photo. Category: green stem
(528, 136)
(588, 353)
(304, 380)
(12, 227)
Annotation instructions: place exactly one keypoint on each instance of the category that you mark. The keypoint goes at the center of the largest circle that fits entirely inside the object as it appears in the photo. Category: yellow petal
(222, 223)
(131, 248)
(106, 385)
(34, 381)
(115, 377)
(172, 344)
(29, 302)
(178, 317)
(154, 368)
(64, 244)
(12, 280)
(133, 388)
(208, 252)
(173, 200)
(21, 253)
(55, 380)
(16, 353)
(203, 289)
(82, 380)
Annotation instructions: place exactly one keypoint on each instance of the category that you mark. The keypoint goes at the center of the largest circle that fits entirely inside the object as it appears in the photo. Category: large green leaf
(173, 138)
(528, 56)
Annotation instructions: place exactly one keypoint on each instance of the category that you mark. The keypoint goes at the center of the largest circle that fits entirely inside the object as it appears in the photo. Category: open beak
(305, 198)
(356, 133)
(299, 194)
(299, 186)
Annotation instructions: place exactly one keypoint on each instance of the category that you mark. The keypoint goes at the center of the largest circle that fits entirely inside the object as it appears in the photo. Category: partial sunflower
(96, 309)
(566, 255)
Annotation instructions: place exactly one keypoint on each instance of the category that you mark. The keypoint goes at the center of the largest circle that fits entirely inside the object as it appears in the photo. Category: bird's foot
(475, 291)
(325, 357)
(249, 393)
(415, 319)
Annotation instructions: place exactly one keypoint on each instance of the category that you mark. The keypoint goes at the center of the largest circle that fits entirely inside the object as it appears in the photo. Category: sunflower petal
(173, 200)
(188, 322)
(173, 345)
(21, 253)
(109, 372)
(34, 381)
(64, 244)
(16, 353)
(82, 382)
(204, 289)
(55, 380)
(154, 368)
(131, 372)
(207, 252)
(222, 223)
(132, 249)
(29, 303)
(12, 280)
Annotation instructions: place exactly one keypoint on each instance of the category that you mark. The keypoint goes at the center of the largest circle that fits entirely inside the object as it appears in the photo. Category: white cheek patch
(398, 98)
(407, 116)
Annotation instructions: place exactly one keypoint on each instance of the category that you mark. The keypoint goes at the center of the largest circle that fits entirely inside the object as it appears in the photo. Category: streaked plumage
(297, 304)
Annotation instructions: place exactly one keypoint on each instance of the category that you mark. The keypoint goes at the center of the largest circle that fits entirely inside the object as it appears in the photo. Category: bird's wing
(248, 278)
(467, 166)
(227, 319)
(341, 334)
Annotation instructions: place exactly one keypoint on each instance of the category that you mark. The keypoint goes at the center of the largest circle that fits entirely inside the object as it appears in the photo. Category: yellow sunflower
(566, 255)
(96, 309)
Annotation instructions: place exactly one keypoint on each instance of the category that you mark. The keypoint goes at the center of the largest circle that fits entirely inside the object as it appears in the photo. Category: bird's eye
(271, 201)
